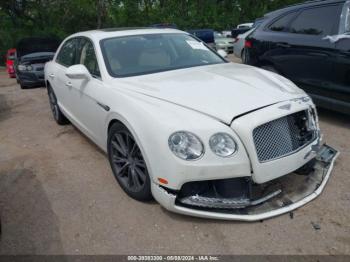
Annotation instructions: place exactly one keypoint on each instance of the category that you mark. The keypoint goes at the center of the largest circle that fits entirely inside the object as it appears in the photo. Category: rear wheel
(55, 109)
(128, 164)
(243, 56)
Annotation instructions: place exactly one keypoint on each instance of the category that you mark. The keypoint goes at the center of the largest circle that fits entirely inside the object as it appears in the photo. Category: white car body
(238, 46)
(245, 25)
(204, 100)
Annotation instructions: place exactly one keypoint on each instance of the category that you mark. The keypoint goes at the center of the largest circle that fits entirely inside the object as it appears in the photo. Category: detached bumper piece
(226, 203)
(241, 199)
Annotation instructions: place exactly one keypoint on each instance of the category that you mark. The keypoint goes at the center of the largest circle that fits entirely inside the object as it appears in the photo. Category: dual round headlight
(25, 68)
(188, 146)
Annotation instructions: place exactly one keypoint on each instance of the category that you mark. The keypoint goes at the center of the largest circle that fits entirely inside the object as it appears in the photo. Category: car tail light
(248, 44)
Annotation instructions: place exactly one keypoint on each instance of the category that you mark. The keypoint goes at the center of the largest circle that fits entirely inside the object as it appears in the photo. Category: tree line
(59, 18)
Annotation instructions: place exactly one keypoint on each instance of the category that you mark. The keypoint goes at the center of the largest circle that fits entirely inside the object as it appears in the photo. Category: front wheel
(128, 164)
(21, 84)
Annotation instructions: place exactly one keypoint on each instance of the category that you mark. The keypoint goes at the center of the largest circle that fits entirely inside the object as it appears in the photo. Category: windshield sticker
(196, 45)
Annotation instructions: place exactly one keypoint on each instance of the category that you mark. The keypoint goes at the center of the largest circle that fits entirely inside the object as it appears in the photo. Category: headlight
(29, 68)
(223, 145)
(186, 145)
(22, 67)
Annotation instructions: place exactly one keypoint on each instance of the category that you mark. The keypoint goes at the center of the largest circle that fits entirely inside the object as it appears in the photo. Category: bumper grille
(283, 136)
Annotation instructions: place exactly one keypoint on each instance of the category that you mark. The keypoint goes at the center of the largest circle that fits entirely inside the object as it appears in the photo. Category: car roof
(100, 34)
(302, 5)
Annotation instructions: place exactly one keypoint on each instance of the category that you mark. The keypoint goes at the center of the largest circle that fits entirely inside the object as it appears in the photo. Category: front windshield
(151, 53)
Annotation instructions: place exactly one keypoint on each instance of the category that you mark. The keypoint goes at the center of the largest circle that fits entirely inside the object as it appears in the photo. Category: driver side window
(87, 57)
(66, 55)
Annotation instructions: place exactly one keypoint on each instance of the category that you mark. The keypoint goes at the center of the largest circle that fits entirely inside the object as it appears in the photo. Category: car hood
(35, 45)
(222, 91)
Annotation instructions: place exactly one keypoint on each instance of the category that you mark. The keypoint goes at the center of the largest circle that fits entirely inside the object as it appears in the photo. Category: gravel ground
(58, 196)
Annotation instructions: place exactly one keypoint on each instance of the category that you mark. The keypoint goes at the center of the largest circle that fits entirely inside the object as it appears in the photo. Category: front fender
(152, 121)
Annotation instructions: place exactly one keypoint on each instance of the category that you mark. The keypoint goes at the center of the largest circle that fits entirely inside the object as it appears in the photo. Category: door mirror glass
(78, 72)
(222, 53)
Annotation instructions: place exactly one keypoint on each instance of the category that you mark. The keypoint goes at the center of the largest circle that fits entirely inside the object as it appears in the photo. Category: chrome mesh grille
(282, 136)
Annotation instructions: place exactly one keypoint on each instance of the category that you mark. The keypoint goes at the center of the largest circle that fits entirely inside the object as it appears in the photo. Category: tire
(21, 85)
(55, 109)
(270, 68)
(243, 56)
(127, 163)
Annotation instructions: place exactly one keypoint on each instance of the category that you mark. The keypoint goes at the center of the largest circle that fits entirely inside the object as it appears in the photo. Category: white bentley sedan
(181, 124)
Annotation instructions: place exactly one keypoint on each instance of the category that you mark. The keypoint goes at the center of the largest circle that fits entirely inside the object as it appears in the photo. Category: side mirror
(222, 53)
(78, 72)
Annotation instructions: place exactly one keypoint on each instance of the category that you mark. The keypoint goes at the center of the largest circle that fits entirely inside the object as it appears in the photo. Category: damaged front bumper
(275, 197)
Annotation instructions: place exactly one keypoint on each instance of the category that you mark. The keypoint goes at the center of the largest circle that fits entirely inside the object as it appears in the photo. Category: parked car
(246, 25)
(239, 44)
(203, 136)
(240, 41)
(310, 44)
(227, 33)
(241, 29)
(206, 35)
(31, 56)
(10, 58)
(223, 43)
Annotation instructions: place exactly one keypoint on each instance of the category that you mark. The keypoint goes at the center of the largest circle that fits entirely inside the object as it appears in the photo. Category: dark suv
(308, 43)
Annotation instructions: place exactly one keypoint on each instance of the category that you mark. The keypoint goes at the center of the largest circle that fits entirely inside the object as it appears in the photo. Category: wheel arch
(114, 118)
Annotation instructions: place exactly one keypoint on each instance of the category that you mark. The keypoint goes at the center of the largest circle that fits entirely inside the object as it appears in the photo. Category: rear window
(317, 21)
(282, 23)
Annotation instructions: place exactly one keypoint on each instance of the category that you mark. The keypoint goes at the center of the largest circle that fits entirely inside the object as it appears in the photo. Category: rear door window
(67, 54)
(281, 25)
(320, 21)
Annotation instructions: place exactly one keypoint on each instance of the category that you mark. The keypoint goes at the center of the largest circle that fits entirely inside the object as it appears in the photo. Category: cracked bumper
(296, 191)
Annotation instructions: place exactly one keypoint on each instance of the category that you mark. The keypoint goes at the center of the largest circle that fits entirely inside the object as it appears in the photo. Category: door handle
(52, 76)
(69, 84)
(283, 45)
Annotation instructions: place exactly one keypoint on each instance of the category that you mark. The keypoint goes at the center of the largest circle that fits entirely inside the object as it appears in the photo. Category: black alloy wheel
(128, 164)
(55, 109)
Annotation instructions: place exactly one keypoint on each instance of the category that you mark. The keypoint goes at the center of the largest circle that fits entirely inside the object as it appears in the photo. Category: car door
(89, 95)
(341, 87)
(58, 79)
(308, 57)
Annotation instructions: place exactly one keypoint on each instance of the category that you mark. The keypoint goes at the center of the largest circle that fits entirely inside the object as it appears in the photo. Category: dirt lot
(58, 196)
